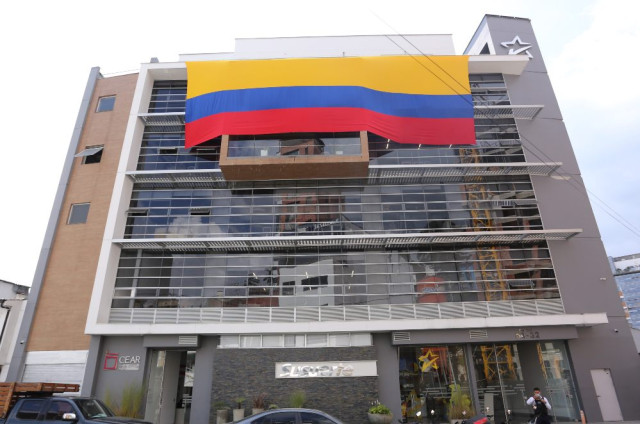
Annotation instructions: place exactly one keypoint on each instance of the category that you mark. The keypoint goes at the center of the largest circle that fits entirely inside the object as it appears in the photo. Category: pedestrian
(541, 407)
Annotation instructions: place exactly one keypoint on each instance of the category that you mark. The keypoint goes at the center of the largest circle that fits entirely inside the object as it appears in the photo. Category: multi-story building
(13, 300)
(340, 262)
(626, 271)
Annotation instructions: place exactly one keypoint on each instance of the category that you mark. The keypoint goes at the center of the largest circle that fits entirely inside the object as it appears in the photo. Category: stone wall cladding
(249, 372)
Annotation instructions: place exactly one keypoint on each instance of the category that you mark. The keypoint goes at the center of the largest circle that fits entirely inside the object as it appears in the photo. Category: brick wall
(248, 372)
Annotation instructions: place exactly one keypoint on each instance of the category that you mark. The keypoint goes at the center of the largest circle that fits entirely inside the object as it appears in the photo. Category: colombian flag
(420, 100)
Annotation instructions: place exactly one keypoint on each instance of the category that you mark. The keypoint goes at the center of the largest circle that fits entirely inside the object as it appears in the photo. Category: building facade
(443, 280)
(626, 270)
(13, 300)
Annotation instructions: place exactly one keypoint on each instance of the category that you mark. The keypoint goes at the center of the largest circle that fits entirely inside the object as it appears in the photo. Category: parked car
(77, 410)
(31, 403)
(290, 416)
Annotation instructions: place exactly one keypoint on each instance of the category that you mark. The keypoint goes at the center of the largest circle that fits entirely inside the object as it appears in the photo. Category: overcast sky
(48, 48)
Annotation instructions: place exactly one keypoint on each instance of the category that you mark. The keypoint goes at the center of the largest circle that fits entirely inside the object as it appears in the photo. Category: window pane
(272, 340)
(280, 418)
(57, 409)
(30, 409)
(105, 104)
(250, 341)
(312, 418)
(79, 213)
(229, 341)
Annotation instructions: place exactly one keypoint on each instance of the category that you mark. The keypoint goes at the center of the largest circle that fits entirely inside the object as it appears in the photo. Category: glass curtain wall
(163, 279)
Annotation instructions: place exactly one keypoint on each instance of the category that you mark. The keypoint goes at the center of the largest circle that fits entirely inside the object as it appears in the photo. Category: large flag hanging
(420, 100)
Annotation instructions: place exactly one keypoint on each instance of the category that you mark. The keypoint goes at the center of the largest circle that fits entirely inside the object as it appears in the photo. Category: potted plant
(222, 412)
(379, 414)
(238, 411)
(297, 399)
(259, 402)
(460, 406)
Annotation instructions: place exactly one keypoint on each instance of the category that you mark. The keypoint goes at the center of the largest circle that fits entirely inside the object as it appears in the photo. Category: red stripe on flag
(275, 121)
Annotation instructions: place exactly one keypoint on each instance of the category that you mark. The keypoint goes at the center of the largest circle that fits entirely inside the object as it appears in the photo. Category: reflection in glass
(333, 207)
(163, 279)
(434, 383)
(322, 144)
(507, 373)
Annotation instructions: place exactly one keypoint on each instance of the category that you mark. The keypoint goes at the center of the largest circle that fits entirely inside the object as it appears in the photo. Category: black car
(290, 416)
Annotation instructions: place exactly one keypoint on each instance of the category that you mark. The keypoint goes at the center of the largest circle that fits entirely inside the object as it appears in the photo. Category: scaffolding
(494, 285)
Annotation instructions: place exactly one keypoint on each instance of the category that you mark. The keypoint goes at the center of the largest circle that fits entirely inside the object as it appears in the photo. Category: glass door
(170, 386)
(154, 390)
(499, 382)
(507, 373)
(559, 383)
(434, 384)
(185, 387)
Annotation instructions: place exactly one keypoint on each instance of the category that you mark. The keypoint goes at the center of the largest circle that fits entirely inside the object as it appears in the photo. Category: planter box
(238, 414)
(221, 416)
(380, 418)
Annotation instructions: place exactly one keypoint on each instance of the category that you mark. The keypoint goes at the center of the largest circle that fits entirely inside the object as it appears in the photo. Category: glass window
(229, 341)
(91, 154)
(313, 418)
(316, 340)
(435, 379)
(106, 104)
(361, 339)
(57, 409)
(30, 409)
(272, 340)
(250, 341)
(79, 213)
(338, 339)
(277, 418)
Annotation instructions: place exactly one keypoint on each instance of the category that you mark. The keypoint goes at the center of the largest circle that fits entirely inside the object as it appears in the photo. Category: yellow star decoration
(428, 360)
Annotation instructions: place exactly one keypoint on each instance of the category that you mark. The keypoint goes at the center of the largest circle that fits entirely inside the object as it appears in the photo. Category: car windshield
(93, 408)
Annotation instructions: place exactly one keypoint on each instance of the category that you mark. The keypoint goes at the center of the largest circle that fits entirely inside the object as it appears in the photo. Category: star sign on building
(517, 46)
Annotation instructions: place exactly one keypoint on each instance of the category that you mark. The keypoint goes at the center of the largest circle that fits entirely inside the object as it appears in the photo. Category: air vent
(478, 334)
(401, 336)
(188, 340)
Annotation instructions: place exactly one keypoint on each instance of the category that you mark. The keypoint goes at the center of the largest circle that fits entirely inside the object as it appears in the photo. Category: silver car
(290, 416)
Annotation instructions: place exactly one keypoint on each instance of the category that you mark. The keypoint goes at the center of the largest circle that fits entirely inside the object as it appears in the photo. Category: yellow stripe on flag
(439, 75)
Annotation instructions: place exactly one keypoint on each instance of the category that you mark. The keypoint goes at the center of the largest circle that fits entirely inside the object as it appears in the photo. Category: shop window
(79, 213)
(106, 104)
(435, 379)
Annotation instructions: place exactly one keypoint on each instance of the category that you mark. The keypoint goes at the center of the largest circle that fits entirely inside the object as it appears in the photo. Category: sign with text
(115, 361)
(326, 369)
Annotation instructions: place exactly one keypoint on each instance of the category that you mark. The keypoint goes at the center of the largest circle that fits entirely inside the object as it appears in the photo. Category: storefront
(446, 383)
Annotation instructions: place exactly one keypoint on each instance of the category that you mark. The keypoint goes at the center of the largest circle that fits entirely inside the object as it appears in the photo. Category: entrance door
(606, 393)
(434, 384)
(507, 373)
(170, 386)
(499, 382)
